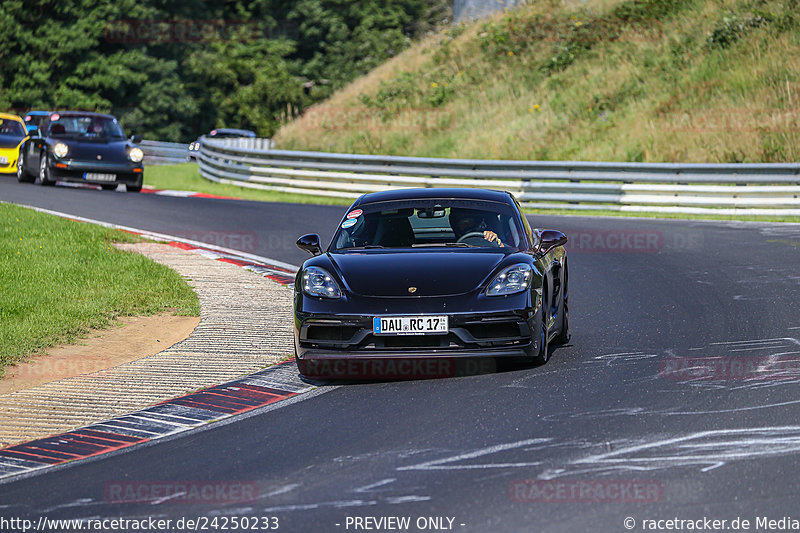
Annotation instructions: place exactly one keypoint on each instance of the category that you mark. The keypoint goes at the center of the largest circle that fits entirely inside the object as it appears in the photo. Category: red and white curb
(185, 194)
(277, 383)
(146, 189)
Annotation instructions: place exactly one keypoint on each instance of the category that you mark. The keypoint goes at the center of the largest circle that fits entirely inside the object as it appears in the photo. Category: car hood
(10, 141)
(110, 150)
(432, 273)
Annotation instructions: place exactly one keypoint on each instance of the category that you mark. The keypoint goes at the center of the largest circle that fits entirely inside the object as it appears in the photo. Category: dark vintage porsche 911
(415, 280)
(81, 147)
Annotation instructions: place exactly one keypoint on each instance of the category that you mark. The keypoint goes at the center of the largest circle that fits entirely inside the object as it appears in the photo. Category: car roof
(433, 192)
(38, 113)
(9, 116)
(82, 113)
(244, 133)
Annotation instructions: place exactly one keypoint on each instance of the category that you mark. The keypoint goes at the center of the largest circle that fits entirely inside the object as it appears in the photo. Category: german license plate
(95, 176)
(409, 325)
(3, 160)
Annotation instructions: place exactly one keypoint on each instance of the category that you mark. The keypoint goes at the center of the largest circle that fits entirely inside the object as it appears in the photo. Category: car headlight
(513, 279)
(136, 155)
(60, 150)
(318, 282)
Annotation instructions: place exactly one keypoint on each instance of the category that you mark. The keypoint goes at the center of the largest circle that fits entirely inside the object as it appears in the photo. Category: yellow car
(12, 134)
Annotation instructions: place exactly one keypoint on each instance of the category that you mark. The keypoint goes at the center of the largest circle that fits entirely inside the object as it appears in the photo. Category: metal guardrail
(160, 152)
(727, 189)
(252, 143)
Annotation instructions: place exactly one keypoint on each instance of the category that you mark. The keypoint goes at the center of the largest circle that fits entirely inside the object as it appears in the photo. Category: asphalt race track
(675, 399)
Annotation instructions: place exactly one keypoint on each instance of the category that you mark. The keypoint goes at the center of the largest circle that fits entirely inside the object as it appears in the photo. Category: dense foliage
(174, 70)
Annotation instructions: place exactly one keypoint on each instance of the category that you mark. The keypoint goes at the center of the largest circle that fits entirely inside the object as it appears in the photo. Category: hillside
(607, 80)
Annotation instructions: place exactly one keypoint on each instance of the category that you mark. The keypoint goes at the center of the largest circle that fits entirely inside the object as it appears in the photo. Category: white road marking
(368, 488)
(441, 464)
(339, 504)
(407, 499)
(689, 450)
(283, 490)
(164, 237)
(167, 498)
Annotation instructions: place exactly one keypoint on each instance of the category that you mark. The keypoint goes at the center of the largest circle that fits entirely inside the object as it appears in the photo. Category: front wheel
(44, 171)
(544, 353)
(137, 185)
(22, 175)
(563, 333)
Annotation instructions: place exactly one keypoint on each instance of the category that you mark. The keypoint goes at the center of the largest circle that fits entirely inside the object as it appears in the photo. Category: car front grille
(414, 341)
(498, 330)
(331, 333)
(493, 332)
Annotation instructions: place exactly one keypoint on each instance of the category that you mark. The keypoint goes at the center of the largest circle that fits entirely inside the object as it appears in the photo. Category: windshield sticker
(349, 223)
(355, 213)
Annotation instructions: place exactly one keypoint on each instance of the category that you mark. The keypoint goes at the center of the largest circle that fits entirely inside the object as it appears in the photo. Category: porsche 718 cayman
(423, 274)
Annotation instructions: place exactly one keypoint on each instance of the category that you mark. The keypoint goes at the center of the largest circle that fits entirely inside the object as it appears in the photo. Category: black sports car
(81, 147)
(415, 280)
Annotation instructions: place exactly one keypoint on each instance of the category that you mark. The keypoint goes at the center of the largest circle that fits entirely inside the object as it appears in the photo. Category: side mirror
(310, 243)
(549, 239)
(136, 139)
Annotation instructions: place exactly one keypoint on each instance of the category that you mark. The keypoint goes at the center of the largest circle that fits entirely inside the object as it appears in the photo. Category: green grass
(185, 177)
(60, 278)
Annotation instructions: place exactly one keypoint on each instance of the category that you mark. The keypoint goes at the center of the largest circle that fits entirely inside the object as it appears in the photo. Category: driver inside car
(465, 221)
(95, 127)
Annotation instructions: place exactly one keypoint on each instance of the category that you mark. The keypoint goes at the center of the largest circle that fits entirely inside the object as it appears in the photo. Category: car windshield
(430, 223)
(11, 127)
(85, 126)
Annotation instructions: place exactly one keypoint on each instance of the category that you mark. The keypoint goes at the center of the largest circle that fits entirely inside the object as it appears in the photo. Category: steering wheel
(475, 236)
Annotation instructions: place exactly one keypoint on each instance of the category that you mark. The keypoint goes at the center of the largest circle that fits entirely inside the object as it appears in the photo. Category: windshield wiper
(448, 244)
(365, 247)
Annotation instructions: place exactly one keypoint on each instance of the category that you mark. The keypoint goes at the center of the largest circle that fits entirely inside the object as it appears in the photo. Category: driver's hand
(491, 237)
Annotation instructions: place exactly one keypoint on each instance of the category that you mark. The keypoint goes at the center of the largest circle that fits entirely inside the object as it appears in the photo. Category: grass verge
(60, 278)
